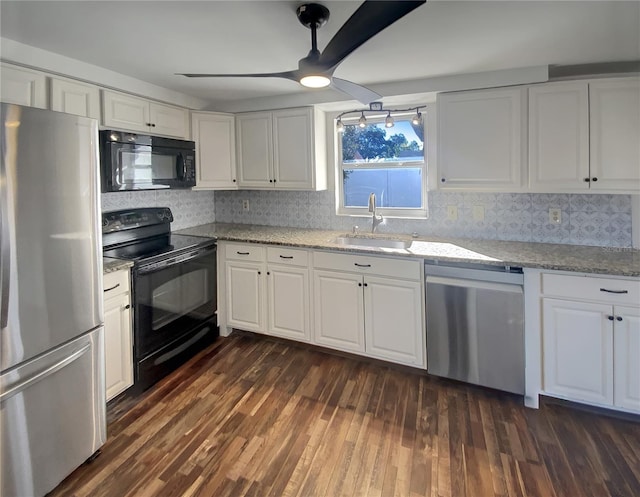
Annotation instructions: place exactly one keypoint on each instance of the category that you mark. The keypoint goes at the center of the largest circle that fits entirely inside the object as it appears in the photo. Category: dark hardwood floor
(252, 416)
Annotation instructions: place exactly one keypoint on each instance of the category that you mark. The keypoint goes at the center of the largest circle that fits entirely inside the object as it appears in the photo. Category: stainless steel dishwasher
(475, 324)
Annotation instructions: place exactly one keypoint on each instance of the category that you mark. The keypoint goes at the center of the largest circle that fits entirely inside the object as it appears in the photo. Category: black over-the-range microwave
(129, 161)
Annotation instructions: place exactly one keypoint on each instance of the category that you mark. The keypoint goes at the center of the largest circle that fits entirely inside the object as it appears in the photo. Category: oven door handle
(172, 261)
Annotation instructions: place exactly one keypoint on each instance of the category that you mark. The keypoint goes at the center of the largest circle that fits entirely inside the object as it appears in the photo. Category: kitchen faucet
(377, 218)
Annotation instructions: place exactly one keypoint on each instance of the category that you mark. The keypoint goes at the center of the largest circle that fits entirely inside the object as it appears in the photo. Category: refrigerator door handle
(5, 247)
(43, 374)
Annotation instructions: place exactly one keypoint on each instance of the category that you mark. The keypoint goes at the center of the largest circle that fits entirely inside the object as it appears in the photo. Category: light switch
(245, 205)
(555, 216)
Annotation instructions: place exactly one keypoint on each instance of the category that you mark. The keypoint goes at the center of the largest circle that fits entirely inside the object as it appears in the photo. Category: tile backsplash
(189, 208)
(600, 220)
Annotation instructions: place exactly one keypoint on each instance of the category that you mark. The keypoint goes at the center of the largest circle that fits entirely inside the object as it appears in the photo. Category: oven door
(145, 167)
(173, 297)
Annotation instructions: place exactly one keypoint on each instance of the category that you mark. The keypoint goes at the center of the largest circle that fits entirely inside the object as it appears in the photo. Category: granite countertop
(621, 262)
(109, 265)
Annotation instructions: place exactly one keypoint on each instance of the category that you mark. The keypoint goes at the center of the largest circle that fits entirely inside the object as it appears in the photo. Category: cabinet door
(255, 150)
(125, 112)
(118, 350)
(559, 137)
(339, 310)
(168, 120)
(480, 140)
(293, 155)
(615, 128)
(75, 98)
(23, 86)
(578, 351)
(288, 302)
(626, 358)
(214, 135)
(393, 320)
(245, 296)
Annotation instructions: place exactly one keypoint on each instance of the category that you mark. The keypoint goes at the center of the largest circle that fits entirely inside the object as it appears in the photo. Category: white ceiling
(152, 40)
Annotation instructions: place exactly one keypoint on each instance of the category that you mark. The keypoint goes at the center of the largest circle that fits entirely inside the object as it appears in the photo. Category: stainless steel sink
(373, 242)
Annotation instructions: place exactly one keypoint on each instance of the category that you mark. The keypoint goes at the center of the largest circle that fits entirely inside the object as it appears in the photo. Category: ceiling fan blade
(293, 75)
(360, 93)
(371, 17)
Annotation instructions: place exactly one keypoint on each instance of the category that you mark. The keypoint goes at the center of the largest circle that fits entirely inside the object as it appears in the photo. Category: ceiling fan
(316, 69)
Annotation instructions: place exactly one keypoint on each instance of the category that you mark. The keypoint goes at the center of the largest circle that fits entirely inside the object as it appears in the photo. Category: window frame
(388, 212)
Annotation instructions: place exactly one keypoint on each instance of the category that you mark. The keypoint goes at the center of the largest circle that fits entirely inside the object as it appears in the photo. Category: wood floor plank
(253, 416)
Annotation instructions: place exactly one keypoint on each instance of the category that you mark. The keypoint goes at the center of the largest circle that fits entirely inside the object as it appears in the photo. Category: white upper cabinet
(131, 113)
(282, 149)
(214, 135)
(74, 97)
(615, 134)
(480, 140)
(583, 136)
(23, 86)
(559, 136)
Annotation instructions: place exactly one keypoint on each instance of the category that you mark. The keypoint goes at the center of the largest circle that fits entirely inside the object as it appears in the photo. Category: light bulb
(362, 122)
(339, 126)
(417, 119)
(388, 122)
(315, 81)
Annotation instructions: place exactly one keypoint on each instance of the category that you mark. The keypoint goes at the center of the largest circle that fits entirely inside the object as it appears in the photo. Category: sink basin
(373, 242)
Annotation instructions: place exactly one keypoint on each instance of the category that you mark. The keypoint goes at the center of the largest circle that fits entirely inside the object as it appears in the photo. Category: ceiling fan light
(388, 122)
(362, 122)
(315, 81)
(339, 126)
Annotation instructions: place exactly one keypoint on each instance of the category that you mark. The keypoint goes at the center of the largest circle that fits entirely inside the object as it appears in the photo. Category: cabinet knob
(586, 180)
(259, 272)
(443, 180)
(128, 306)
(366, 284)
(594, 179)
(268, 273)
(610, 318)
(359, 284)
(619, 318)
(153, 125)
(234, 180)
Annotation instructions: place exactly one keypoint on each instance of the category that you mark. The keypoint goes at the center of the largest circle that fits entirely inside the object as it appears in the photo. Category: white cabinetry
(283, 149)
(583, 136)
(74, 97)
(480, 140)
(23, 86)
(267, 290)
(369, 305)
(131, 113)
(591, 339)
(117, 333)
(214, 136)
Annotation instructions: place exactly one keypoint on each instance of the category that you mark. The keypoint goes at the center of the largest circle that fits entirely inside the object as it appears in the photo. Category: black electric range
(174, 289)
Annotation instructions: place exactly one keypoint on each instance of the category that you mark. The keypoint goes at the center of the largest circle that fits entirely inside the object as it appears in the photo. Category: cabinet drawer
(244, 252)
(608, 290)
(283, 255)
(410, 270)
(116, 283)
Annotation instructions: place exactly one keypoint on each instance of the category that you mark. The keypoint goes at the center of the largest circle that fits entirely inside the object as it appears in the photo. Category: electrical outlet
(245, 205)
(452, 212)
(478, 213)
(555, 216)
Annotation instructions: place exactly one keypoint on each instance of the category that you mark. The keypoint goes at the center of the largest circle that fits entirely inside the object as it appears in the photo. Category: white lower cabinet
(267, 290)
(365, 305)
(591, 347)
(118, 345)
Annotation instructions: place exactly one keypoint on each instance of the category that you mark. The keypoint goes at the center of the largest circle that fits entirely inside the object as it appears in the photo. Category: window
(386, 161)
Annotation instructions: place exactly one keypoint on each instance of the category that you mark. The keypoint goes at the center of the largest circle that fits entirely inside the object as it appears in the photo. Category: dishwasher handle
(477, 284)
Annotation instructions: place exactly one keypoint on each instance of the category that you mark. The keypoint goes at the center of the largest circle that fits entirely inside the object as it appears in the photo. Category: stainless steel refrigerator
(52, 399)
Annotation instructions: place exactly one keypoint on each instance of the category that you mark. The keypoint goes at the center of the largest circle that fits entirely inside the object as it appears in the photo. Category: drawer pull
(242, 253)
(286, 257)
(362, 265)
(614, 291)
(112, 288)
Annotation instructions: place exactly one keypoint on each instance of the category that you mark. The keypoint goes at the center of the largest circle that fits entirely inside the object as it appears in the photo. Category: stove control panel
(135, 218)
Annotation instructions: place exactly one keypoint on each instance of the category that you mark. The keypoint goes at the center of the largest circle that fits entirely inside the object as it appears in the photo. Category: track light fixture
(376, 108)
